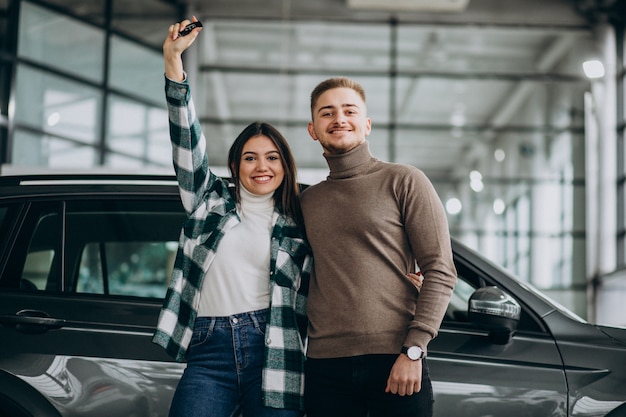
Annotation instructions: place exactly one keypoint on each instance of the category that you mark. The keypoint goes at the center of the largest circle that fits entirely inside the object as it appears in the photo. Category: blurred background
(514, 109)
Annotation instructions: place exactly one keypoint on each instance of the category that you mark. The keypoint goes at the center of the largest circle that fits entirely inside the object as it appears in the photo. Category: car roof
(22, 183)
(10, 175)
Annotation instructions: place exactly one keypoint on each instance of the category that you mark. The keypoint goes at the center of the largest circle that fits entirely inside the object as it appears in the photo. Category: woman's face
(261, 169)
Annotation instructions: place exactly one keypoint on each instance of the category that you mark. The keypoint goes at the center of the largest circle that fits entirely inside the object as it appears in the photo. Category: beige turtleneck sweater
(368, 223)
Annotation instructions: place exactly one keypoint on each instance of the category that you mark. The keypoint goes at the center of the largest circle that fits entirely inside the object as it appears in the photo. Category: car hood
(616, 333)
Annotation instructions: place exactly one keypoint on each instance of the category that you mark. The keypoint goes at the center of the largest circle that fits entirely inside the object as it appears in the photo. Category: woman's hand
(416, 279)
(174, 46)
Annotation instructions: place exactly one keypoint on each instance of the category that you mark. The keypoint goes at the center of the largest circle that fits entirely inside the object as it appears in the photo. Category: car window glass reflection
(122, 248)
(126, 268)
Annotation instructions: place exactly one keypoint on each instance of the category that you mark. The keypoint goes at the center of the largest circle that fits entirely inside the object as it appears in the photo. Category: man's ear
(311, 130)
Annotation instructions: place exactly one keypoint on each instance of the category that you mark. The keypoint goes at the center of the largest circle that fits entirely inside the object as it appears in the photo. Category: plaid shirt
(211, 212)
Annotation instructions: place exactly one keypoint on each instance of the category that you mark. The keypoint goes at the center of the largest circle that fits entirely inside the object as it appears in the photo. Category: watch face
(414, 353)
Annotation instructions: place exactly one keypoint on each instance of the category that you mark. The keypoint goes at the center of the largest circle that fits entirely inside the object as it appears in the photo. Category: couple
(240, 309)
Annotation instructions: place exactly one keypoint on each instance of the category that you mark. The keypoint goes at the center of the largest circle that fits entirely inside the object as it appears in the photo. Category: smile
(265, 178)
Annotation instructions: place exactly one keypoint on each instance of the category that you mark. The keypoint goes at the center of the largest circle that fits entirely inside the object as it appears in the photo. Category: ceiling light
(593, 69)
(411, 5)
(476, 181)
(498, 206)
(54, 119)
(454, 206)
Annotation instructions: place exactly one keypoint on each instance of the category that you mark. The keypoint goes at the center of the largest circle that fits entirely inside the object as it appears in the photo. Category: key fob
(189, 28)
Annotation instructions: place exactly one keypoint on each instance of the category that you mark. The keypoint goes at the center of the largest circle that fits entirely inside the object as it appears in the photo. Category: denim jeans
(224, 368)
(355, 386)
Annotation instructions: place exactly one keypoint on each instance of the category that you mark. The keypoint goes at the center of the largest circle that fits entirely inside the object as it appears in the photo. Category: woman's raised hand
(174, 46)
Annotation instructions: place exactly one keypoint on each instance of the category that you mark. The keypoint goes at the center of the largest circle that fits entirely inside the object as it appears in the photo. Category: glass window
(58, 106)
(272, 97)
(302, 45)
(37, 269)
(414, 100)
(493, 50)
(122, 248)
(139, 131)
(39, 272)
(136, 69)
(92, 10)
(41, 150)
(110, 247)
(126, 268)
(130, 17)
(459, 302)
(67, 44)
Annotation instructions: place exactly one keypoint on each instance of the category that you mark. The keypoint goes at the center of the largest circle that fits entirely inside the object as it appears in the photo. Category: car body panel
(84, 263)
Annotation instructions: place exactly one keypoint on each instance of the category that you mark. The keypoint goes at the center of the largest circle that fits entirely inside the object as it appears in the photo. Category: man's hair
(336, 82)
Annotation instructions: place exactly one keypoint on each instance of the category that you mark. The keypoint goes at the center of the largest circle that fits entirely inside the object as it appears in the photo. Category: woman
(235, 308)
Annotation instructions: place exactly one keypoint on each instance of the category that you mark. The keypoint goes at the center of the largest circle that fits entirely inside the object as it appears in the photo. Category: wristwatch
(414, 352)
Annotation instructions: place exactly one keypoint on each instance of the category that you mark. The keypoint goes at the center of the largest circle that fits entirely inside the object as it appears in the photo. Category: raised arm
(174, 46)
(188, 142)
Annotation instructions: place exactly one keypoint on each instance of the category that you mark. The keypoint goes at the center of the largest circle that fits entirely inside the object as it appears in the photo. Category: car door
(80, 293)
(474, 375)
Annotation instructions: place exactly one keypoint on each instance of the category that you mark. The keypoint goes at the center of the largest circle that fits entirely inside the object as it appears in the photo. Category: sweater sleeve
(426, 226)
(189, 154)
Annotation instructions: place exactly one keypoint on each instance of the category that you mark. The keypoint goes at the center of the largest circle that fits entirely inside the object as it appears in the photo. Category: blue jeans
(224, 368)
(355, 386)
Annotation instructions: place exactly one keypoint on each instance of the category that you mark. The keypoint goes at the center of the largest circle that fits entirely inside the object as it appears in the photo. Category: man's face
(340, 121)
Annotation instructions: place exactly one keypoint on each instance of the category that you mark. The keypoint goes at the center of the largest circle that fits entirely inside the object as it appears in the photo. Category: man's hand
(405, 377)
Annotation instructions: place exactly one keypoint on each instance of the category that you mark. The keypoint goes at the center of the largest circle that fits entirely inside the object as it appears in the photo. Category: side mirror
(492, 309)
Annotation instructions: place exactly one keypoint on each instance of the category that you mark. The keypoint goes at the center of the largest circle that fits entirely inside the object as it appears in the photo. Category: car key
(187, 30)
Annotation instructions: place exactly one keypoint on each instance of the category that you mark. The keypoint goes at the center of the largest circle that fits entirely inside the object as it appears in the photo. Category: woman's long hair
(286, 195)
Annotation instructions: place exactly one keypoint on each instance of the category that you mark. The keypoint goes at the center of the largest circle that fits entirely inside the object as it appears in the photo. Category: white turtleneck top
(238, 279)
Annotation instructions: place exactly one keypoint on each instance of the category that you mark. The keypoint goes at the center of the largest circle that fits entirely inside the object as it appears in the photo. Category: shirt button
(268, 341)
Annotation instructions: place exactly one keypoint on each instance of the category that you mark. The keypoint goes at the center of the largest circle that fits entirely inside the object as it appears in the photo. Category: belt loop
(255, 319)
(212, 324)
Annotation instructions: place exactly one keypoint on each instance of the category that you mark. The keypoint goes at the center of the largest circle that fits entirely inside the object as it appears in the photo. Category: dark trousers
(355, 387)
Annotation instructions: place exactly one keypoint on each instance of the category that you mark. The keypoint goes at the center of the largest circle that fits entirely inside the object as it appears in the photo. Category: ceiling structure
(463, 70)
(461, 75)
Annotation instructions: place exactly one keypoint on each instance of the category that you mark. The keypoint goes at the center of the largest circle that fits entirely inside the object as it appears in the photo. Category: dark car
(85, 263)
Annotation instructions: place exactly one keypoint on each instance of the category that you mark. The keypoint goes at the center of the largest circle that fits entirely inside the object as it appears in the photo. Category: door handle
(31, 321)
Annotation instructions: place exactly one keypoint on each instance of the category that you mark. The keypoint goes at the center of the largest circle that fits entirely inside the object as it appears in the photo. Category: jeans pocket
(201, 334)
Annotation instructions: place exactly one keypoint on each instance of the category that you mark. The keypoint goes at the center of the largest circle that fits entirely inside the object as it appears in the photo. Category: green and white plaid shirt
(211, 212)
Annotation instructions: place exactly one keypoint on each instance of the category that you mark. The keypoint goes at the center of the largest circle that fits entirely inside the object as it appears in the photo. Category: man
(369, 223)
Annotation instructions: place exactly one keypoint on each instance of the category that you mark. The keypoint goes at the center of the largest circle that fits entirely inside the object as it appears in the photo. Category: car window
(109, 247)
(37, 269)
(457, 307)
(126, 268)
